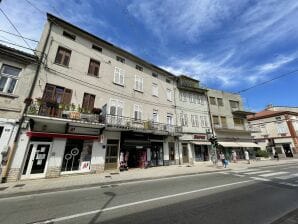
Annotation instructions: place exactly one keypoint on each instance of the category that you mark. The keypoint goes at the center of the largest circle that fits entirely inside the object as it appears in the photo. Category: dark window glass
(63, 56)
(69, 35)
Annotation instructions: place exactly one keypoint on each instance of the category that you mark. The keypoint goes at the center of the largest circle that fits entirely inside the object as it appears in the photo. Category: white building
(17, 70)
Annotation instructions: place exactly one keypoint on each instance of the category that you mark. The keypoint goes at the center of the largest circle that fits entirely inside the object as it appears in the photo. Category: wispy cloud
(277, 63)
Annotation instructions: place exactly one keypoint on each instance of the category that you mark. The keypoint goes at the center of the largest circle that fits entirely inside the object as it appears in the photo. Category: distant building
(230, 123)
(17, 70)
(276, 130)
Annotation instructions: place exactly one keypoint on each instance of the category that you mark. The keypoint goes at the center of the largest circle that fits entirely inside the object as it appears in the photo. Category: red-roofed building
(276, 128)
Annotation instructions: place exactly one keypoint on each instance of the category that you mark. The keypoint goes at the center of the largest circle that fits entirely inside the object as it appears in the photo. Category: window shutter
(67, 96)
(49, 92)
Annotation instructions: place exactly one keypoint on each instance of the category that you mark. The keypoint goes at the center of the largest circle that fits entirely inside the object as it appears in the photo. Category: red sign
(200, 137)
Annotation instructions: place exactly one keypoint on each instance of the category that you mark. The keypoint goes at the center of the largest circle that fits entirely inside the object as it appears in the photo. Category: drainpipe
(22, 119)
(175, 105)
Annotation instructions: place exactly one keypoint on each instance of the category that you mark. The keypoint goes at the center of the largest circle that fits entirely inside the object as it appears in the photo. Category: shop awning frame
(60, 135)
(239, 144)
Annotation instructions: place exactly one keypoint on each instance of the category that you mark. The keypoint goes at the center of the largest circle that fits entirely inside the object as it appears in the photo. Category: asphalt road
(252, 196)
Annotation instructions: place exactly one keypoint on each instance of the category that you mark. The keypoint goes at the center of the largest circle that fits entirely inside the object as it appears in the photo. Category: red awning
(59, 135)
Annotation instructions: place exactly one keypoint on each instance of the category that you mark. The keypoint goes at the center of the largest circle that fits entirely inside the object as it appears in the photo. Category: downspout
(175, 90)
(22, 119)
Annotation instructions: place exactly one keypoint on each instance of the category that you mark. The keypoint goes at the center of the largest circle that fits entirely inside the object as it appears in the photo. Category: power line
(38, 9)
(17, 45)
(11, 23)
(4, 31)
(267, 81)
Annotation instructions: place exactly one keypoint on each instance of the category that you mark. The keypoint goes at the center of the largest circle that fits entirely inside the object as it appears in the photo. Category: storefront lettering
(202, 137)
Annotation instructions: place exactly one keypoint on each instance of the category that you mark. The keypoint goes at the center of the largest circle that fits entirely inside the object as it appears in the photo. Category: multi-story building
(193, 116)
(230, 123)
(95, 104)
(17, 70)
(277, 131)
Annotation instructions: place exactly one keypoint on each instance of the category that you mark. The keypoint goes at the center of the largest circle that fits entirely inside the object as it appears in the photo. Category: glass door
(185, 153)
(111, 161)
(37, 159)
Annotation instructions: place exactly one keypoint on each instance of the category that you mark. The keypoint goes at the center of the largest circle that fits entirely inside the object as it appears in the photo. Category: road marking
(239, 175)
(258, 172)
(244, 170)
(287, 177)
(139, 202)
(289, 184)
(272, 174)
(259, 178)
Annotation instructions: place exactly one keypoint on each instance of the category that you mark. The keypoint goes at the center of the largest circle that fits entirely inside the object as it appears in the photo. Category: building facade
(277, 131)
(17, 70)
(193, 116)
(94, 107)
(230, 124)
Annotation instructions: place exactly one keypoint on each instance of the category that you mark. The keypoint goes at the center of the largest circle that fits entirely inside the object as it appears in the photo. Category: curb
(100, 184)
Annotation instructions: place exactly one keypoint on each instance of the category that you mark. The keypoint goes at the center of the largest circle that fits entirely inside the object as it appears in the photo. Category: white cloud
(277, 63)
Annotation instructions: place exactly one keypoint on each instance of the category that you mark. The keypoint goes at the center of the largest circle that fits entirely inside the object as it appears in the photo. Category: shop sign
(200, 137)
(85, 166)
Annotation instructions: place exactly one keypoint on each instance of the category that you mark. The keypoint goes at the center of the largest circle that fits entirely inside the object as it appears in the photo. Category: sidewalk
(24, 187)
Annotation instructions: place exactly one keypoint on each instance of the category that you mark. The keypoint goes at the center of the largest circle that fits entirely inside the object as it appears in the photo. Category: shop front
(239, 147)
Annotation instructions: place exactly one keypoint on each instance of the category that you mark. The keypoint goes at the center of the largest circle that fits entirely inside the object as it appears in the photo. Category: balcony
(132, 124)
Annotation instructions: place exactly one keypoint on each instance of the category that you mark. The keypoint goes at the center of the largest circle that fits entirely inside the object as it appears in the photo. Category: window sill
(92, 75)
(118, 84)
(62, 65)
(9, 95)
(139, 91)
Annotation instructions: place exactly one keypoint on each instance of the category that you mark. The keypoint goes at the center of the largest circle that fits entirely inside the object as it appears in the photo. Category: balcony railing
(137, 124)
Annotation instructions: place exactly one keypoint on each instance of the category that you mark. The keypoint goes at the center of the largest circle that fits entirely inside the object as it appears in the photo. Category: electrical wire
(11, 23)
(5, 31)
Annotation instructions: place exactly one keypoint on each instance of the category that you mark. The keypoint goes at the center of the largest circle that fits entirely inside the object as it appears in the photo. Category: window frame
(139, 82)
(91, 70)
(62, 60)
(139, 67)
(120, 59)
(119, 72)
(212, 99)
(90, 105)
(220, 102)
(194, 120)
(137, 112)
(155, 89)
(10, 78)
(169, 95)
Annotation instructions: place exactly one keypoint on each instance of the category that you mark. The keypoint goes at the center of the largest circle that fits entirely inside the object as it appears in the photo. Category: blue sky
(229, 45)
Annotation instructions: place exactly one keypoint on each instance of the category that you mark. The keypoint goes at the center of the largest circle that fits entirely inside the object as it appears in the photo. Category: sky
(229, 45)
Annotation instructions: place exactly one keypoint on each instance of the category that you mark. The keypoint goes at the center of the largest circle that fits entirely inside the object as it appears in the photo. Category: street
(254, 195)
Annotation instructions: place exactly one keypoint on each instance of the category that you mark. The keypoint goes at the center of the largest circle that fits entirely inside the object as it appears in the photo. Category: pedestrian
(234, 156)
(276, 156)
(246, 155)
(222, 158)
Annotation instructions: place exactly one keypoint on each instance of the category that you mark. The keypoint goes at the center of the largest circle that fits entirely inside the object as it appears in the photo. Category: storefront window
(77, 155)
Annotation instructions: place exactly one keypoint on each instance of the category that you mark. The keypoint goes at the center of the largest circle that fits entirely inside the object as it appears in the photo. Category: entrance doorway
(185, 153)
(201, 153)
(111, 162)
(287, 150)
(36, 160)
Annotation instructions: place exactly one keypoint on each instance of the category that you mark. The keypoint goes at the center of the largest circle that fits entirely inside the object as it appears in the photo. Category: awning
(229, 144)
(59, 135)
(240, 144)
(249, 145)
(201, 143)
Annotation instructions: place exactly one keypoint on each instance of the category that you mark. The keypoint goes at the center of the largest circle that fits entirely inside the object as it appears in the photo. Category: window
(215, 120)
(204, 121)
(234, 104)
(223, 121)
(195, 120)
(169, 95)
(155, 116)
(154, 89)
(9, 76)
(94, 67)
(184, 119)
(137, 112)
(120, 59)
(116, 107)
(119, 76)
(97, 48)
(140, 68)
(212, 100)
(1, 130)
(69, 35)
(184, 97)
(88, 102)
(168, 81)
(63, 56)
(202, 99)
(281, 128)
(220, 102)
(154, 75)
(53, 98)
(170, 119)
(139, 83)
(239, 122)
(191, 98)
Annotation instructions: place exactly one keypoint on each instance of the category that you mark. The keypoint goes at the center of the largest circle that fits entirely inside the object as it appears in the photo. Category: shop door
(36, 161)
(111, 161)
(185, 153)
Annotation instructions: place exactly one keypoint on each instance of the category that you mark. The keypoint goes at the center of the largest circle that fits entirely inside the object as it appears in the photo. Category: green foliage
(262, 153)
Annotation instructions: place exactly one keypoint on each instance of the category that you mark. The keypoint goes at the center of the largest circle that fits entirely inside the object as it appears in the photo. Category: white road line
(258, 172)
(244, 170)
(141, 202)
(289, 184)
(287, 176)
(259, 178)
(239, 175)
(272, 174)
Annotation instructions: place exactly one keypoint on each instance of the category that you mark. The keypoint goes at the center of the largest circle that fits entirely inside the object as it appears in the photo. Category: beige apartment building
(17, 70)
(230, 124)
(95, 106)
(193, 116)
(277, 130)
